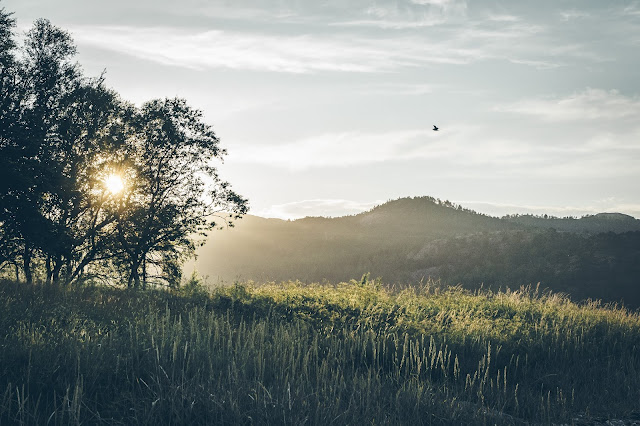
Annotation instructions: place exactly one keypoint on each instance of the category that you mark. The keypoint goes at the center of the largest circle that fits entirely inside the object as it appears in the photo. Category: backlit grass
(352, 353)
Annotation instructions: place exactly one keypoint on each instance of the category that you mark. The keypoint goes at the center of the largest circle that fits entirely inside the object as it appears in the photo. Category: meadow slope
(316, 354)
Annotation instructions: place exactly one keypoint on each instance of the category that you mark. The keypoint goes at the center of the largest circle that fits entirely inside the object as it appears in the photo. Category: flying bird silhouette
(435, 128)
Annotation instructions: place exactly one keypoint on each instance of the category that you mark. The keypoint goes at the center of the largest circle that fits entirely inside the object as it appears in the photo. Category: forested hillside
(411, 239)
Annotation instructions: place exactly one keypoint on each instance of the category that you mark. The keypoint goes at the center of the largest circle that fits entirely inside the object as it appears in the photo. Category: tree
(10, 247)
(17, 154)
(175, 192)
(78, 211)
(54, 121)
(62, 135)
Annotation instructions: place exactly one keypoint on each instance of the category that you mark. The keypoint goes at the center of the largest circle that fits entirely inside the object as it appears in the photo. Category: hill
(406, 240)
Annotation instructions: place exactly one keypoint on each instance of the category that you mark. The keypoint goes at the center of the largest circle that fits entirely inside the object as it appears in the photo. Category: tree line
(63, 136)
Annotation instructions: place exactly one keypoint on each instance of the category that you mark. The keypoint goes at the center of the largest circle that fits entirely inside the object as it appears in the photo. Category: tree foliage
(175, 191)
(62, 135)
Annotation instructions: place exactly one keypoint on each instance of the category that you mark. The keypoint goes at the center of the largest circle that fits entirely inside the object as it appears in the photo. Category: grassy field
(352, 353)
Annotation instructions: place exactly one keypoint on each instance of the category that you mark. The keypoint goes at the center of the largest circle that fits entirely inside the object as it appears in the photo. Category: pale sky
(326, 107)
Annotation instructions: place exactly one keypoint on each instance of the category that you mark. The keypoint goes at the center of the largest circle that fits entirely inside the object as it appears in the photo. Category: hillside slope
(410, 239)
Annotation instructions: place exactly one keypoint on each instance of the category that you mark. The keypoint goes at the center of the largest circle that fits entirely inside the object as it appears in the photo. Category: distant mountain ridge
(410, 239)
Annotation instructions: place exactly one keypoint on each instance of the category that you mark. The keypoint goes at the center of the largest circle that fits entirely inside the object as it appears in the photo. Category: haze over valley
(410, 240)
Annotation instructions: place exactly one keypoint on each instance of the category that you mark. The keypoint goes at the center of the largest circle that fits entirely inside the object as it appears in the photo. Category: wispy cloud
(568, 15)
(341, 207)
(269, 52)
(456, 148)
(407, 14)
(541, 65)
(223, 49)
(503, 18)
(313, 50)
(317, 207)
(599, 206)
(246, 36)
(633, 9)
(589, 104)
(460, 152)
(580, 51)
(441, 3)
(399, 89)
(243, 12)
(342, 149)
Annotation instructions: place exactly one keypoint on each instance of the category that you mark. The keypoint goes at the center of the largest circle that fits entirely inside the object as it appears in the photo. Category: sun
(114, 183)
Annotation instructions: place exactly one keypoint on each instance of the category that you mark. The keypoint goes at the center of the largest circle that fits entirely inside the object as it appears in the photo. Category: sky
(327, 107)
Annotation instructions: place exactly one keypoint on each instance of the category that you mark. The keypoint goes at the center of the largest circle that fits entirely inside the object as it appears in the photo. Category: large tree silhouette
(61, 135)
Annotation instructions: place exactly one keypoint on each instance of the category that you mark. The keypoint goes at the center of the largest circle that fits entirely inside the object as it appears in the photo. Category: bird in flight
(435, 128)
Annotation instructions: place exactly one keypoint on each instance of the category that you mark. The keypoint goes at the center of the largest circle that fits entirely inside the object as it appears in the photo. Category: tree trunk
(144, 273)
(136, 279)
(134, 276)
(55, 274)
(49, 279)
(79, 270)
(26, 265)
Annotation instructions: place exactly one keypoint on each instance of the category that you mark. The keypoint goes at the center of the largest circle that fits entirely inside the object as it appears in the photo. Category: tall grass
(351, 353)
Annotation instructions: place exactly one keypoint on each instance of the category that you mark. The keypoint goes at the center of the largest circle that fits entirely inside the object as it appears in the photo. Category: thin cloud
(541, 65)
(589, 104)
(389, 24)
(222, 49)
(400, 89)
(632, 10)
(579, 51)
(317, 207)
(568, 15)
(241, 12)
(340, 149)
(601, 206)
(343, 51)
(298, 53)
(459, 149)
(266, 52)
(437, 2)
(504, 18)
(406, 15)
(340, 207)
